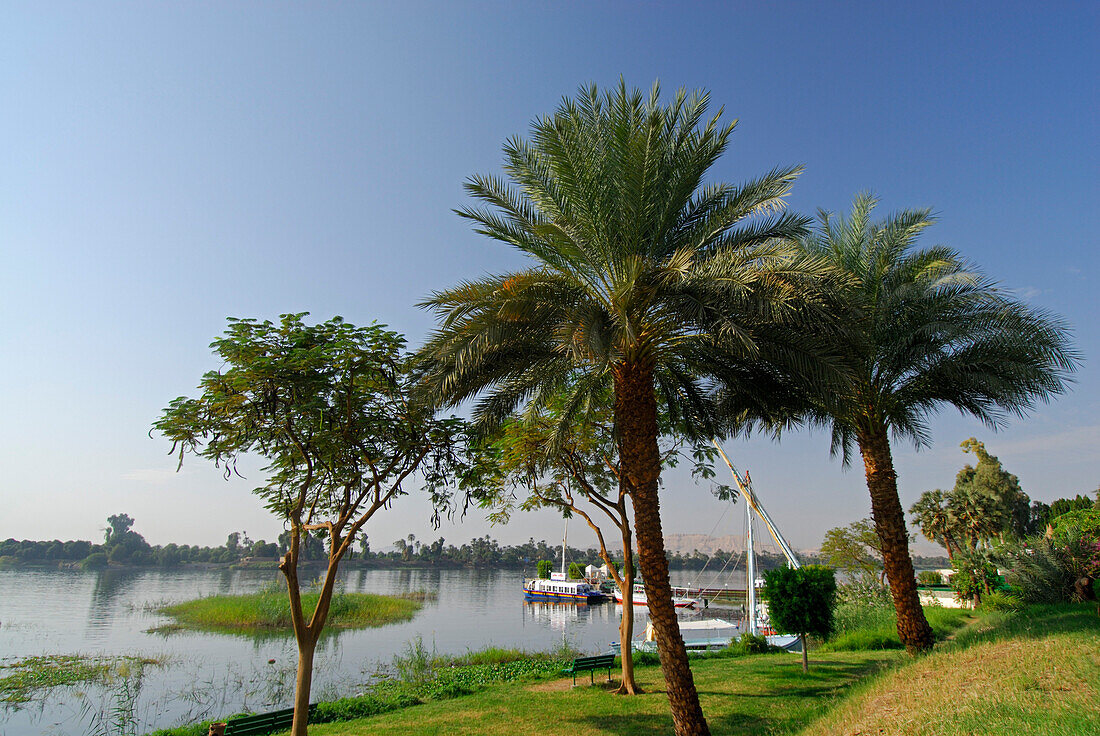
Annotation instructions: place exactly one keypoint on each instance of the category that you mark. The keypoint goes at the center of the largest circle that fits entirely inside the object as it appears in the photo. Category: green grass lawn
(749, 695)
(1034, 673)
(268, 612)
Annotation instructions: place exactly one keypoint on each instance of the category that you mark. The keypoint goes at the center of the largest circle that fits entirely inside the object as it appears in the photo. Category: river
(202, 675)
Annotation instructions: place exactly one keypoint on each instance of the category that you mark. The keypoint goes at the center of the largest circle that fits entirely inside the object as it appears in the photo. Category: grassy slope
(270, 611)
(1031, 673)
(1005, 674)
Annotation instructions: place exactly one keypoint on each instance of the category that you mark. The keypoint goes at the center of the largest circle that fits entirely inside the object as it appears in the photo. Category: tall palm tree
(644, 281)
(923, 330)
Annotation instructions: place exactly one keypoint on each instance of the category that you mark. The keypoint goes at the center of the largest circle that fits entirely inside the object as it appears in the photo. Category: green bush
(929, 578)
(1046, 570)
(1002, 601)
(801, 600)
(974, 575)
(576, 572)
(1086, 522)
(544, 568)
(94, 561)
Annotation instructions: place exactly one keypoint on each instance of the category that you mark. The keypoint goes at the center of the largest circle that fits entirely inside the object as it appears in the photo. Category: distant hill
(686, 543)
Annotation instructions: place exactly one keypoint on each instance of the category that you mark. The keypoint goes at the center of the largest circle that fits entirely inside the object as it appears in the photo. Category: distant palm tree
(645, 281)
(933, 516)
(923, 330)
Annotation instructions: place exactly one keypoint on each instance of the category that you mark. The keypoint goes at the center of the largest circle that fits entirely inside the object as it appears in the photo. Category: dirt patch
(557, 686)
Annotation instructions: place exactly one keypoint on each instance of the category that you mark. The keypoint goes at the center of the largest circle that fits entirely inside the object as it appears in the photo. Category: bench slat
(261, 723)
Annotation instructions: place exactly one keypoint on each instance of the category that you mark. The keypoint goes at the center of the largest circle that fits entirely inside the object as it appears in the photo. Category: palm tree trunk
(882, 482)
(636, 422)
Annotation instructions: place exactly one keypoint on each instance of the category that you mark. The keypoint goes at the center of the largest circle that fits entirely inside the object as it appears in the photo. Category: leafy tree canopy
(332, 410)
(855, 548)
(801, 601)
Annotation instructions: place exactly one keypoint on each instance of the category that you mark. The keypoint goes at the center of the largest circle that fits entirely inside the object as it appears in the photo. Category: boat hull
(540, 595)
(677, 601)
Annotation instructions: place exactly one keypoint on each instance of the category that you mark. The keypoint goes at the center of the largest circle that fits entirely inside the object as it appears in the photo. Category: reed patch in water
(268, 611)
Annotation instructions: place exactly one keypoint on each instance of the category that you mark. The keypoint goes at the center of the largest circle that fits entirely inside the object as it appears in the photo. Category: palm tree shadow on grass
(639, 724)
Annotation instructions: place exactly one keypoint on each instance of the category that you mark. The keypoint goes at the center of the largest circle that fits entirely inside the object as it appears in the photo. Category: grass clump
(23, 679)
(268, 611)
(869, 627)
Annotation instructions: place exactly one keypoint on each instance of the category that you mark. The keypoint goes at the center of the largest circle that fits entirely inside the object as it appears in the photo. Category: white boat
(681, 597)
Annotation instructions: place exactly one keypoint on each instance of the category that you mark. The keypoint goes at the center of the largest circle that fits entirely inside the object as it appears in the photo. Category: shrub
(544, 568)
(94, 561)
(1086, 522)
(751, 644)
(973, 576)
(801, 601)
(576, 572)
(929, 578)
(1048, 570)
(1002, 601)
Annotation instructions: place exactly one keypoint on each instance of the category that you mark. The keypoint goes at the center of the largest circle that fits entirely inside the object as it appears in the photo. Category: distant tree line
(123, 546)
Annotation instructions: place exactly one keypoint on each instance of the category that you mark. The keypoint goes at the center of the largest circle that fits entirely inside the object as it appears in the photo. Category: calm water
(205, 675)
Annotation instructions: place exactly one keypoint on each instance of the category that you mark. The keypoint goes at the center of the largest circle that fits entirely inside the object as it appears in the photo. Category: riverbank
(1033, 672)
(268, 612)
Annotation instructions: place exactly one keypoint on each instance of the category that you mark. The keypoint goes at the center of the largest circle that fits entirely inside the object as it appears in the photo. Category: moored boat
(577, 591)
(681, 597)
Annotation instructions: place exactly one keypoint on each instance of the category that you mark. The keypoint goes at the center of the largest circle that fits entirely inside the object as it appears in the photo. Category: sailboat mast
(754, 502)
(750, 566)
(564, 538)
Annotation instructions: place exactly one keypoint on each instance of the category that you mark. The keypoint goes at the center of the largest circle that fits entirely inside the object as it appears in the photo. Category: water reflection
(208, 674)
(110, 587)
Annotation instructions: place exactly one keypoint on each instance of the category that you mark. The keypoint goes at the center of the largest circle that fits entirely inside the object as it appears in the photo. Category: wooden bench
(580, 664)
(262, 723)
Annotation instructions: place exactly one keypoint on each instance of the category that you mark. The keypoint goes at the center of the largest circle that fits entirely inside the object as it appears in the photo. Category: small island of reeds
(267, 612)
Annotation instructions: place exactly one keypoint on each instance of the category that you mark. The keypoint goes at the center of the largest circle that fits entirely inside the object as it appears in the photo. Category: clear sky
(165, 165)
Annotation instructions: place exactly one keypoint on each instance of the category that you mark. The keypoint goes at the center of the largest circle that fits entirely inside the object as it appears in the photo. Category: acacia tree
(921, 330)
(644, 282)
(330, 408)
(857, 549)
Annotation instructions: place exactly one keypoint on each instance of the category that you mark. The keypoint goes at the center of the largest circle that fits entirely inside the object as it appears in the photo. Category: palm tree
(935, 521)
(644, 282)
(923, 330)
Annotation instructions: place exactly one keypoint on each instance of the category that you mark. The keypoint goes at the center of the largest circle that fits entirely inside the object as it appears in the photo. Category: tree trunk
(626, 627)
(640, 462)
(805, 655)
(882, 482)
(302, 687)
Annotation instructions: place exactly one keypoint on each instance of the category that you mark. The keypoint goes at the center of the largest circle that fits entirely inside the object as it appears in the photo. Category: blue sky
(165, 165)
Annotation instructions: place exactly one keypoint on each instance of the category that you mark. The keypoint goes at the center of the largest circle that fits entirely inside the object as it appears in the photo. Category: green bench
(580, 664)
(263, 723)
